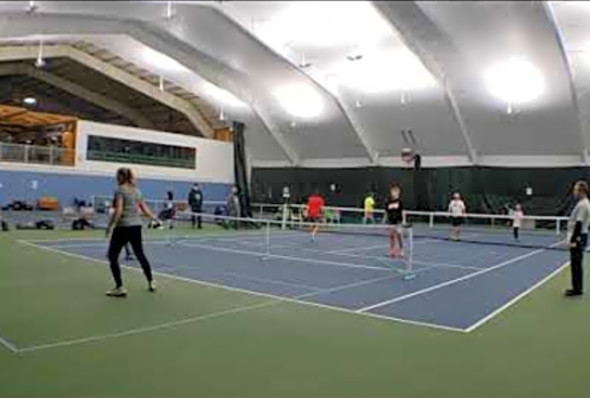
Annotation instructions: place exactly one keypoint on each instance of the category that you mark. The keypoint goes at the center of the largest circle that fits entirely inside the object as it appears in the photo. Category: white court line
(363, 248)
(275, 300)
(450, 282)
(357, 248)
(256, 279)
(146, 329)
(517, 298)
(9, 345)
(384, 258)
(148, 238)
(300, 259)
(296, 300)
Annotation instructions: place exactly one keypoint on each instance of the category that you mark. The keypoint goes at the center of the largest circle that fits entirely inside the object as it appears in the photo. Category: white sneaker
(117, 292)
(152, 286)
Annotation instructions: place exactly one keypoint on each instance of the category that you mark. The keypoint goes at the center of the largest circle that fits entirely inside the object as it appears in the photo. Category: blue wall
(19, 185)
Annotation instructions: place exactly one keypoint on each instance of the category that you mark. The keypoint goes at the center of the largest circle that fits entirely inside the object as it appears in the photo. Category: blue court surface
(457, 286)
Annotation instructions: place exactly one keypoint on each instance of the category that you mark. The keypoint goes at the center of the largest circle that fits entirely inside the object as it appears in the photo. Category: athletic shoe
(572, 293)
(117, 292)
(152, 286)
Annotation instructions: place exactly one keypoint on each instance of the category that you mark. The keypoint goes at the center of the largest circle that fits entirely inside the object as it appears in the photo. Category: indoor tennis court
(294, 199)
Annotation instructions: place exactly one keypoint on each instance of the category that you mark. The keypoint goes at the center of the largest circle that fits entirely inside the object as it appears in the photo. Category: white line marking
(517, 298)
(357, 248)
(385, 259)
(300, 259)
(9, 345)
(450, 282)
(260, 294)
(166, 325)
(256, 279)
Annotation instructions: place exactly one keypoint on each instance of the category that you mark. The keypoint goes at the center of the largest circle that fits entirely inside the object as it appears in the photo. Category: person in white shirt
(517, 217)
(578, 224)
(457, 211)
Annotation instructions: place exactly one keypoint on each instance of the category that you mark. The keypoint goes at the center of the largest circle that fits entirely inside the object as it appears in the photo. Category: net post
(267, 241)
(431, 220)
(409, 272)
(558, 226)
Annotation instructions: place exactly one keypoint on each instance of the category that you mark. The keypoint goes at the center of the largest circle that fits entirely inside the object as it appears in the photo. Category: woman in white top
(517, 217)
(457, 210)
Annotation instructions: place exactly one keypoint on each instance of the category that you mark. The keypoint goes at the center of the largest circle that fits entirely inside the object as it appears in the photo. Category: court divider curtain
(241, 168)
(484, 189)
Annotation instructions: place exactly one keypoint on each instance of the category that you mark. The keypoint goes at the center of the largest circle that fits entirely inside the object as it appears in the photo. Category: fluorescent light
(383, 71)
(222, 96)
(515, 80)
(29, 100)
(300, 101)
(160, 61)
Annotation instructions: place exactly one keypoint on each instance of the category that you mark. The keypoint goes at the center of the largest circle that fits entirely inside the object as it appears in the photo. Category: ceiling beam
(158, 36)
(139, 85)
(218, 73)
(78, 91)
(417, 31)
(583, 133)
(348, 114)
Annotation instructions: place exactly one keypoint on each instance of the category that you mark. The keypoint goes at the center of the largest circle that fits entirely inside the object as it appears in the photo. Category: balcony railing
(19, 153)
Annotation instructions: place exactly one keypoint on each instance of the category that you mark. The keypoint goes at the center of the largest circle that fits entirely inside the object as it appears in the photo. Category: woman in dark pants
(125, 227)
(578, 237)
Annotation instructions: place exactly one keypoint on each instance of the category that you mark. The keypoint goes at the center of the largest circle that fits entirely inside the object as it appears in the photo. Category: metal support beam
(417, 31)
(30, 52)
(575, 97)
(78, 91)
(347, 113)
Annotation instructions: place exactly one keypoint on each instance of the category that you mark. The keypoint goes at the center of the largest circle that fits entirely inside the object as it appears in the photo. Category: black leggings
(576, 264)
(515, 232)
(197, 219)
(121, 236)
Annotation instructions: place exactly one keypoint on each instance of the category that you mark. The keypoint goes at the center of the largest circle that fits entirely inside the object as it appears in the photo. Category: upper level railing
(32, 154)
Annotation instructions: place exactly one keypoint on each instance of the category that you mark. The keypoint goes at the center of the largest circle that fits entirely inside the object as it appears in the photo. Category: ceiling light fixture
(169, 13)
(40, 62)
(304, 64)
(32, 7)
(29, 100)
(301, 101)
(515, 80)
(354, 57)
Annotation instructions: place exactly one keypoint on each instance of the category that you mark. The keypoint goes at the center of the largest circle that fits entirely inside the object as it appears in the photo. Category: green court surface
(191, 339)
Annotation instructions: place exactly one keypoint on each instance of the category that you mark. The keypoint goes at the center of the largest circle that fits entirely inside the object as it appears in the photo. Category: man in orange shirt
(315, 207)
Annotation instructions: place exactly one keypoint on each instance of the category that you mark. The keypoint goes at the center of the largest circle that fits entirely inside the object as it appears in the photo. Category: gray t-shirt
(131, 199)
(580, 213)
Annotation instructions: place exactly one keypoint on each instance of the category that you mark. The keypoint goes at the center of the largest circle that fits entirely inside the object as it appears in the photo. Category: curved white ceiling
(335, 83)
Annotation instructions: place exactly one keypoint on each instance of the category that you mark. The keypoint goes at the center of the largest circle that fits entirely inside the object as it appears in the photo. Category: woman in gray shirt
(125, 227)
